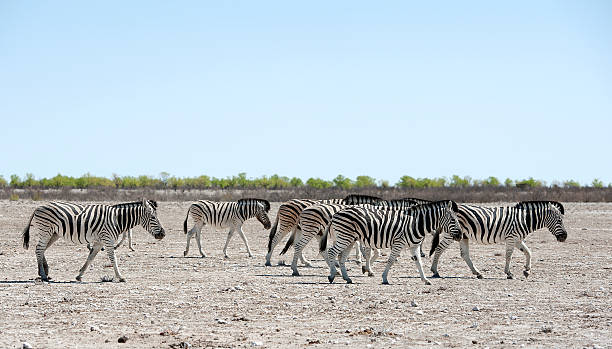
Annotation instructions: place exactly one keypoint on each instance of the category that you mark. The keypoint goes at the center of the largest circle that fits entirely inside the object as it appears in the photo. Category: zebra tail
(272, 234)
(26, 233)
(185, 222)
(289, 243)
(323, 242)
(434, 243)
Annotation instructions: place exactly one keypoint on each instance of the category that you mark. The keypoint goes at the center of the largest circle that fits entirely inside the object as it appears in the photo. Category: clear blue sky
(307, 89)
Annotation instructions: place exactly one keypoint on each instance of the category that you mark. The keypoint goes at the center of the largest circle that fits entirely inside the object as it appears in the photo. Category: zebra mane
(153, 204)
(353, 199)
(432, 204)
(245, 201)
(525, 204)
(416, 201)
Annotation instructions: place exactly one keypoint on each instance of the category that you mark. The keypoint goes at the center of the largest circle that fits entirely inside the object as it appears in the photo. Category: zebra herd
(366, 222)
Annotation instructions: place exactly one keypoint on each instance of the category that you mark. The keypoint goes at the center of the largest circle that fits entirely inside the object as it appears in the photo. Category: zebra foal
(224, 215)
(82, 224)
(388, 228)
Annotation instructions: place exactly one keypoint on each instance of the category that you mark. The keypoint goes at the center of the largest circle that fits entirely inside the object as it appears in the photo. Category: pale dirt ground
(213, 302)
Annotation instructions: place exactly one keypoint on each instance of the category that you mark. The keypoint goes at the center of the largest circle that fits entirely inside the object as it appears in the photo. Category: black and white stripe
(508, 224)
(288, 216)
(388, 228)
(83, 224)
(225, 215)
(314, 219)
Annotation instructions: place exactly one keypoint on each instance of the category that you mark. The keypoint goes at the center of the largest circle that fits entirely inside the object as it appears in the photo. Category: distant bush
(14, 197)
(274, 182)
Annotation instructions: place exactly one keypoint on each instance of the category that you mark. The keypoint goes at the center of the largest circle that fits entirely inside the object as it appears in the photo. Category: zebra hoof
(423, 255)
(479, 276)
(427, 282)
(436, 276)
(349, 281)
(370, 273)
(268, 264)
(295, 273)
(226, 257)
(331, 278)
(385, 282)
(121, 279)
(526, 273)
(364, 269)
(78, 278)
(510, 277)
(185, 253)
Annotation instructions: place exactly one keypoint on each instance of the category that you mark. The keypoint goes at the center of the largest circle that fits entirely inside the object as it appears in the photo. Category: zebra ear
(454, 206)
(144, 202)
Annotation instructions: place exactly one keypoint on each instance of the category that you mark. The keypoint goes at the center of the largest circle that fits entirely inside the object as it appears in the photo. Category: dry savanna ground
(170, 301)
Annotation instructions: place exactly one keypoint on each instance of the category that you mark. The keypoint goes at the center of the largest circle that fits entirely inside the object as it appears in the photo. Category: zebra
(388, 228)
(223, 215)
(127, 233)
(314, 219)
(288, 216)
(508, 224)
(82, 224)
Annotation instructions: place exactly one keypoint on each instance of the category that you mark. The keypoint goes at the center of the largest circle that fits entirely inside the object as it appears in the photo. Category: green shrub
(14, 197)
(319, 183)
(365, 182)
(3, 182)
(597, 183)
(571, 184)
(343, 182)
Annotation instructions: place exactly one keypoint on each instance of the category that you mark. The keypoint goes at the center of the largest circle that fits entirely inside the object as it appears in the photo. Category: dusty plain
(170, 301)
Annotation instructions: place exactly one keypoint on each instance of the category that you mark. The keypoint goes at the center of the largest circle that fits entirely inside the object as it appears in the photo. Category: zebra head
(449, 223)
(149, 221)
(553, 220)
(261, 213)
(547, 214)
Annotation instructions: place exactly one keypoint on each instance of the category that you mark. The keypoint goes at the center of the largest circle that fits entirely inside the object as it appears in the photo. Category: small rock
(474, 341)
(238, 288)
(26, 345)
(446, 335)
(184, 345)
(221, 321)
(273, 296)
(474, 325)
(256, 343)
(94, 329)
(420, 312)
(122, 339)
(413, 304)
(512, 317)
(475, 308)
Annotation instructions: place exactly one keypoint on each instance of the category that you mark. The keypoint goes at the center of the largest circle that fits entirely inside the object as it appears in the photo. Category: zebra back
(357, 199)
(251, 201)
(540, 203)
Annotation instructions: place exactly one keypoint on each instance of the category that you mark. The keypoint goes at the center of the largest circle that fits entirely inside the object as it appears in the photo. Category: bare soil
(170, 301)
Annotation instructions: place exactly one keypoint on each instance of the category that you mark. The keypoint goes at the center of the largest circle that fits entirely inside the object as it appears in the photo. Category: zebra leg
(189, 236)
(130, 245)
(343, 256)
(358, 252)
(415, 251)
(442, 246)
(40, 255)
(92, 254)
(298, 249)
(464, 247)
(275, 240)
(53, 239)
(121, 241)
(199, 241)
(229, 236)
(110, 250)
(298, 235)
(246, 242)
(521, 246)
(509, 248)
(370, 256)
(395, 252)
(330, 257)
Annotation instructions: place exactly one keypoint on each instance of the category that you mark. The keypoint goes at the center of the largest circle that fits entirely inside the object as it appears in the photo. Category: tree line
(166, 181)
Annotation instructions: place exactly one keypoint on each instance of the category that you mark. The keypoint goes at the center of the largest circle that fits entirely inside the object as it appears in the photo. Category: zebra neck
(246, 211)
(534, 219)
(424, 221)
(128, 217)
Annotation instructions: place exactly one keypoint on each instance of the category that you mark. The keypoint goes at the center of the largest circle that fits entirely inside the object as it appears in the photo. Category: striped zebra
(388, 228)
(82, 224)
(225, 215)
(508, 224)
(288, 216)
(127, 233)
(314, 219)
